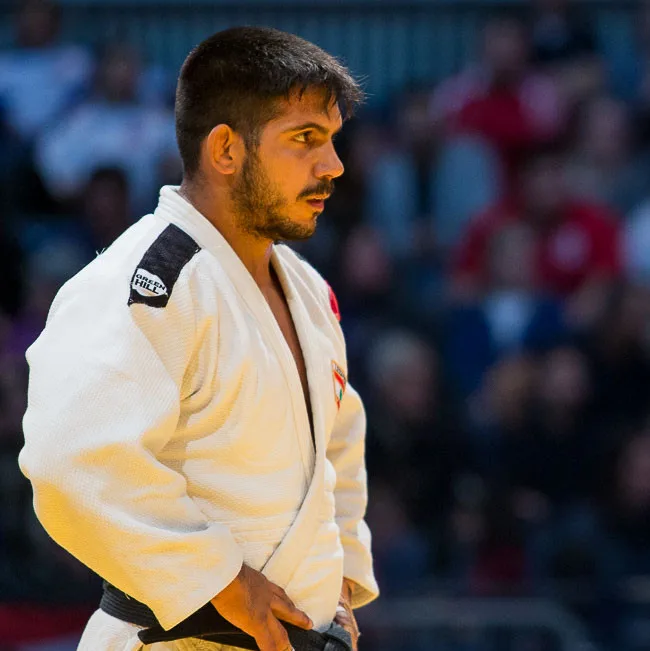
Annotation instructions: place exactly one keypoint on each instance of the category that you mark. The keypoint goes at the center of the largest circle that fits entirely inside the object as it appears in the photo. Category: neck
(215, 205)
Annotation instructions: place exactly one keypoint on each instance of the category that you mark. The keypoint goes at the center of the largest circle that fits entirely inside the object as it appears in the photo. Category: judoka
(191, 435)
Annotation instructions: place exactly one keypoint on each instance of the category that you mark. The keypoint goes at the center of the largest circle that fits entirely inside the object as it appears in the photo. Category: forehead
(310, 106)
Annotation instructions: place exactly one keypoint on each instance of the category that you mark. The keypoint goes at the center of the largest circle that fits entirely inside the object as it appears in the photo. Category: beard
(261, 208)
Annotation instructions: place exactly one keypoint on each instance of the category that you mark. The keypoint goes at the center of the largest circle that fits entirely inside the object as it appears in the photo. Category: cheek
(292, 175)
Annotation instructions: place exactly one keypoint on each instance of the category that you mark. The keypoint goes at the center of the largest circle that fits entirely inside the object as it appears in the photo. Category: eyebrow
(315, 126)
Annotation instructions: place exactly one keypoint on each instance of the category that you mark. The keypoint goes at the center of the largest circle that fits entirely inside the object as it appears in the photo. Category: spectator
(619, 351)
(502, 99)
(47, 267)
(564, 46)
(412, 426)
(112, 129)
(559, 35)
(627, 51)
(502, 409)
(540, 465)
(603, 166)
(364, 280)
(399, 179)
(511, 316)
(577, 243)
(105, 208)
(401, 555)
(468, 179)
(401, 558)
(483, 550)
(636, 244)
(624, 550)
(41, 78)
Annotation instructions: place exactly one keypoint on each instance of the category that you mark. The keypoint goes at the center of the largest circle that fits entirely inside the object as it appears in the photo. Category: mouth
(318, 202)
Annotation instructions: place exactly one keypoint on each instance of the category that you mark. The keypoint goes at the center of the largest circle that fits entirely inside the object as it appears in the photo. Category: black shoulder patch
(158, 271)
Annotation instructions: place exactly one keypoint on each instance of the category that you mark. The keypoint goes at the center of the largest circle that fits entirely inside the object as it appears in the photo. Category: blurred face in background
(512, 258)
(405, 374)
(386, 513)
(37, 24)
(505, 51)
(544, 190)
(414, 124)
(367, 267)
(564, 382)
(634, 474)
(625, 325)
(509, 389)
(106, 206)
(605, 132)
(118, 74)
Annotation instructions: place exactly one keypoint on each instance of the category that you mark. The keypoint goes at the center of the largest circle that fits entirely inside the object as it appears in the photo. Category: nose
(329, 164)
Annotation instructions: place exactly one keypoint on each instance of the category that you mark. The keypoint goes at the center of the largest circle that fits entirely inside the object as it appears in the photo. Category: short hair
(115, 175)
(531, 158)
(237, 76)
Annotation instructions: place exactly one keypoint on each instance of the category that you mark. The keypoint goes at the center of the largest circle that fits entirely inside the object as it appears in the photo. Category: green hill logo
(148, 284)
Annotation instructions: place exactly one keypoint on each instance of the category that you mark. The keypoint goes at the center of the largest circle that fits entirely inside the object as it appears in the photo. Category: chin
(297, 231)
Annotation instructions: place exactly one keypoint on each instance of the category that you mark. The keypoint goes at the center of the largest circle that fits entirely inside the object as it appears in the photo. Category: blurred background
(490, 248)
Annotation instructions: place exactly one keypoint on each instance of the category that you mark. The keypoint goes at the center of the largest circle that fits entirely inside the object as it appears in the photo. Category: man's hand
(344, 615)
(254, 604)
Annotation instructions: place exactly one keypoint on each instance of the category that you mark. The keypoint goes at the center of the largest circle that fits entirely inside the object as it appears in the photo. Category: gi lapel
(173, 208)
(283, 563)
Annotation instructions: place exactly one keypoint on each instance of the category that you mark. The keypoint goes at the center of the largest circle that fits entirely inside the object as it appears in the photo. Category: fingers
(276, 637)
(343, 618)
(346, 619)
(283, 608)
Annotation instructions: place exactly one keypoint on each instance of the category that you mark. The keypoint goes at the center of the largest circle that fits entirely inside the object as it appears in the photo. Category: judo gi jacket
(167, 437)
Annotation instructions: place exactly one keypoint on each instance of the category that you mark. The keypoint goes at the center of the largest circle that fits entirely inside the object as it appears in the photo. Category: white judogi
(167, 444)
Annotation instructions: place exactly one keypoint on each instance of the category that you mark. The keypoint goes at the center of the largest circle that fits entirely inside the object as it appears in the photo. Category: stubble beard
(260, 207)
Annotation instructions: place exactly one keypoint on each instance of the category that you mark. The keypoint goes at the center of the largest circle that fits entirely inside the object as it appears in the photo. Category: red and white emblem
(338, 377)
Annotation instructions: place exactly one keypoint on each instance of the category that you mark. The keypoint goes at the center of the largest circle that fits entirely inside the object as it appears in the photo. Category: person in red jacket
(501, 100)
(576, 243)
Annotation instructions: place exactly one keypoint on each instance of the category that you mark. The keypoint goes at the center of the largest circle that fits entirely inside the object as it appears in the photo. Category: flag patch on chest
(338, 377)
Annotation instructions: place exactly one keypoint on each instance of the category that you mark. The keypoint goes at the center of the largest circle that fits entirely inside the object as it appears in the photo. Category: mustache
(323, 188)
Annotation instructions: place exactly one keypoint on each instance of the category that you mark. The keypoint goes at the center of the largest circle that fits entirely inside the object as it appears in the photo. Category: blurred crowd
(489, 245)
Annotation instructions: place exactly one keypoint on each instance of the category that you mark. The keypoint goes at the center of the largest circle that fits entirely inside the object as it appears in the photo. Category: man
(503, 100)
(42, 76)
(576, 243)
(113, 127)
(190, 434)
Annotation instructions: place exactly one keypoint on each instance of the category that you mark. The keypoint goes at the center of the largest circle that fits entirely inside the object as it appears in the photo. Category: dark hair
(530, 158)
(114, 175)
(237, 76)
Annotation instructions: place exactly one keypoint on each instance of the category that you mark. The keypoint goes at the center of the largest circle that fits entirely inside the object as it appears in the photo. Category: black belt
(207, 624)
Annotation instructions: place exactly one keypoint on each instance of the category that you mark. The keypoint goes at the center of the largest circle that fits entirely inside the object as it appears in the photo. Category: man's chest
(268, 367)
(284, 319)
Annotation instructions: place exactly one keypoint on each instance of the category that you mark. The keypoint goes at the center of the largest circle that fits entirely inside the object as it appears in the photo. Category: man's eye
(304, 137)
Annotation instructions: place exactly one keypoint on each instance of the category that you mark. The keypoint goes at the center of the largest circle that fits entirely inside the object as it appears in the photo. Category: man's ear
(225, 149)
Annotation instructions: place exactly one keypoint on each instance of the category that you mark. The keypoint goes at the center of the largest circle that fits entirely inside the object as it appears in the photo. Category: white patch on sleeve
(148, 284)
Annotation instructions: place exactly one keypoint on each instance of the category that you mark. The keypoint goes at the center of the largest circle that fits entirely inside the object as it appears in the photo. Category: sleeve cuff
(359, 571)
(194, 593)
